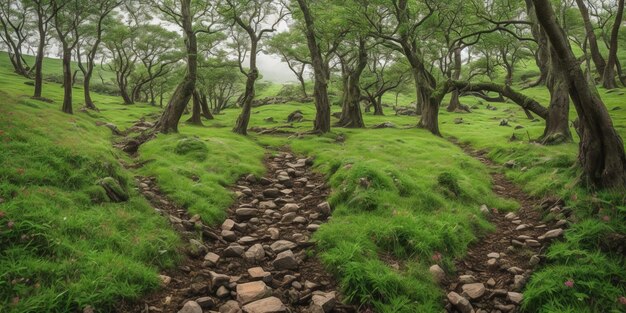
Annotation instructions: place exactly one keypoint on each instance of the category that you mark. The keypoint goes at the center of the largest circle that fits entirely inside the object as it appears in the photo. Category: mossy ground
(401, 199)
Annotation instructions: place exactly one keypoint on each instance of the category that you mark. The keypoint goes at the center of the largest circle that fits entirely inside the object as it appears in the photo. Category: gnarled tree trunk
(320, 88)
(351, 116)
(177, 104)
(196, 110)
(520, 99)
(596, 56)
(67, 80)
(241, 126)
(608, 80)
(455, 102)
(601, 149)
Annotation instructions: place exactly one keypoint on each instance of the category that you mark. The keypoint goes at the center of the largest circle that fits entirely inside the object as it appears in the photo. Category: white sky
(274, 70)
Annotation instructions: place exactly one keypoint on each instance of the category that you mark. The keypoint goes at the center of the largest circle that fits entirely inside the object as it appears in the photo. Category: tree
(184, 14)
(66, 23)
(400, 23)
(384, 73)
(119, 42)
(601, 149)
(557, 122)
(608, 80)
(90, 42)
(220, 82)
(251, 17)
(320, 71)
(13, 19)
(289, 45)
(596, 56)
(156, 49)
(353, 62)
(45, 11)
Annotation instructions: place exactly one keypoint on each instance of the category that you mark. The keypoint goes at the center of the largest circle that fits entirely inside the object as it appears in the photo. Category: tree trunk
(557, 124)
(320, 89)
(176, 106)
(241, 126)
(520, 99)
(601, 149)
(419, 101)
(455, 102)
(196, 111)
(596, 56)
(608, 80)
(351, 116)
(39, 58)
(378, 105)
(124, 93)
(206, 112)
(302, 85)
(86, 86)
(67, 80)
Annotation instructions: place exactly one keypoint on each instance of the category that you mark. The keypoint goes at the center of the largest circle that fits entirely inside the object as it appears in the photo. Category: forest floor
(261, 258)
(492, 276)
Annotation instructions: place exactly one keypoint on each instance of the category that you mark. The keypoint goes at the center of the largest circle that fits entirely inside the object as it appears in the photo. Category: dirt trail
(259, 259)
(492, 276)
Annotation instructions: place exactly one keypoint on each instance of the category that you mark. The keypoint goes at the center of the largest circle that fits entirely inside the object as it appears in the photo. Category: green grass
(552, 171)
(421, 199)
(405, 214)
(68, 246)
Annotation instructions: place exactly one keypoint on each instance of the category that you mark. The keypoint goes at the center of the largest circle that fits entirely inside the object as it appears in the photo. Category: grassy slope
(405, 216)
(68, 246)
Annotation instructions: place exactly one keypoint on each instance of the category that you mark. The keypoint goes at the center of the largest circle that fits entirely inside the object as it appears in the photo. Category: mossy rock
(113, 189)
(192, 146)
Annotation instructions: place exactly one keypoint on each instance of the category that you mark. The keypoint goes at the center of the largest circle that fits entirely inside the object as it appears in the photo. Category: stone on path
(324, 208)
(206, 302)
(267, 205)
(234, 250)
(246, 212)
(460, 303)
(267, 305)
(285, 261)
(474, 291)
(218, 280)
(255, 253)
(230, 307)
(258, 273)
(191, 307)
(212, 258)
(493, 255)
(271, 193)
(552, 234)
(467, 279)
(515, 297)
(252, 291)
(228, 224)
(322, 302)
(282, 245)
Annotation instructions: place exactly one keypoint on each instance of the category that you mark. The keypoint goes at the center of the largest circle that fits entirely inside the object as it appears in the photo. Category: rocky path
(491, 278)
(258, 260)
